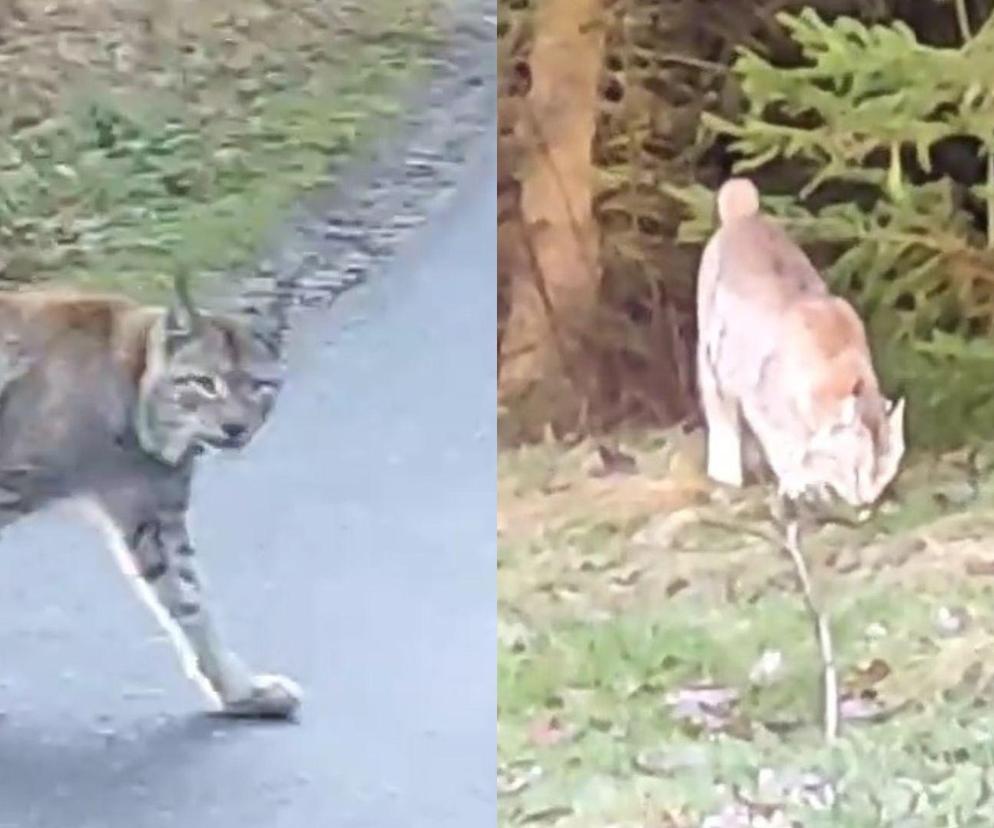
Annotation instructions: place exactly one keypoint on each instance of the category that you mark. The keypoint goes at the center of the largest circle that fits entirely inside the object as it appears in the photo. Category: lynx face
(851, 457)
(209, 382)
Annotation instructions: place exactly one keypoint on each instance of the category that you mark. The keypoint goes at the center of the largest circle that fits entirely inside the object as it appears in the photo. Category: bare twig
(830, 680)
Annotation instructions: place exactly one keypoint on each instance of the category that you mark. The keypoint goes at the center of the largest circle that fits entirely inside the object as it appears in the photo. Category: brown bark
(550, 247)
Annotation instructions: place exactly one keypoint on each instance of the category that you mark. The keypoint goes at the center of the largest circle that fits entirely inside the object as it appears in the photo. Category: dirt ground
(657, 666)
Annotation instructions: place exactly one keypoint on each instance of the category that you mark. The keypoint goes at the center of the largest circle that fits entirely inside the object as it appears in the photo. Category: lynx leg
(157, 552)
(782, 449)
(724, 450)
(756, 467)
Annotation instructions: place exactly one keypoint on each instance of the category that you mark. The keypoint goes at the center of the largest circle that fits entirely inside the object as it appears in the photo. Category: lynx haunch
(785, 358)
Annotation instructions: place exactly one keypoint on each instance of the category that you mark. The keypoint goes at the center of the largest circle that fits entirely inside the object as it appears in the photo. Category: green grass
(114, 170)
(594, 641)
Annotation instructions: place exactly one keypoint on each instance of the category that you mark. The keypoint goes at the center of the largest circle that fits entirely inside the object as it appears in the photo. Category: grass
(133, 140)
(657, 668)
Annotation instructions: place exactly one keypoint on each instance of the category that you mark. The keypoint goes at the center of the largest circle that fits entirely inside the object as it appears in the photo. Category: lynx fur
(108, 403)
(781, 356)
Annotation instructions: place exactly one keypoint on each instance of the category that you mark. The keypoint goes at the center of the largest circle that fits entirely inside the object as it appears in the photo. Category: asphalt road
(352, 547)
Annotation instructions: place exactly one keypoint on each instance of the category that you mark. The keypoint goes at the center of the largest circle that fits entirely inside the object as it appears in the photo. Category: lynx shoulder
(779, 355)
(107, 403)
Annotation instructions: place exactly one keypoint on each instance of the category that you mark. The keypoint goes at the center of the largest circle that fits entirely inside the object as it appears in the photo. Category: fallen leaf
(864, 676)
(708, 706)
(628, 578)
(782, 727)
(597, 563)
(702, 695)
(867, 707)
(951, 621)
(859, 708)
(513, 779)
(980, 566)
(547, 731)
(809, 788)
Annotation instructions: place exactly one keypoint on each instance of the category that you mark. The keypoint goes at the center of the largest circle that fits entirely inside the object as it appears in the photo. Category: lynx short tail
(738, 198)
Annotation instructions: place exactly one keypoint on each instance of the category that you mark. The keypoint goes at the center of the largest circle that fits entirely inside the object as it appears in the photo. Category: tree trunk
(554, 269)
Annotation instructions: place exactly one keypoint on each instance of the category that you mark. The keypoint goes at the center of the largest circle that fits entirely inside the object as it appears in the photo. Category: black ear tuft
(179, 321)
(182, 318)
(180, 326)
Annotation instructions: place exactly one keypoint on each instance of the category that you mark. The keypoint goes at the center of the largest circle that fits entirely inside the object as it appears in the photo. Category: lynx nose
(233, 430)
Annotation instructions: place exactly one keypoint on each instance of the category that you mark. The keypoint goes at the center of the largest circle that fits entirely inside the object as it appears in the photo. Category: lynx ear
(182, 317)
(895, 422)
(887, 464)
(179, 322)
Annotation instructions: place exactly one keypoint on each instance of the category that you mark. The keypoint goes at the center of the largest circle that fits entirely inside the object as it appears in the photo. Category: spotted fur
(108, 403)
(782, 357)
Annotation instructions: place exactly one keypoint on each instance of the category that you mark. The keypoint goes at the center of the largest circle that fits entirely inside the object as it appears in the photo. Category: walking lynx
(781, 355)
(108, 403)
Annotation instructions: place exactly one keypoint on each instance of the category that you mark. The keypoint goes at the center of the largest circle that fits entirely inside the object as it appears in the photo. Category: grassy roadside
(134, 137)
(656, 667)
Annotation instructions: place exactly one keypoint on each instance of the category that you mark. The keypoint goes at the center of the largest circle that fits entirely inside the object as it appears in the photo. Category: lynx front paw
(270, 697)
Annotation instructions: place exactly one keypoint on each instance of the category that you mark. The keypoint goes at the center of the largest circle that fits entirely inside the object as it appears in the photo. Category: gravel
(343, 233)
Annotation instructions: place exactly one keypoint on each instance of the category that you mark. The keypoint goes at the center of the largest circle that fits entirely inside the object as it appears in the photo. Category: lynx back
(782, 357)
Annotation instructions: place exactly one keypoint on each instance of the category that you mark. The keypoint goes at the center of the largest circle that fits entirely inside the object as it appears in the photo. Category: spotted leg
(154, 548)
(724, 429)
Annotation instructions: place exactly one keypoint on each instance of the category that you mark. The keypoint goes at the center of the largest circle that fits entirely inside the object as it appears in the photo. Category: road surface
(351, 547)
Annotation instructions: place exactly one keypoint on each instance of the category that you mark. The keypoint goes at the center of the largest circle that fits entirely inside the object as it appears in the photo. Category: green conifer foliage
(862, 117)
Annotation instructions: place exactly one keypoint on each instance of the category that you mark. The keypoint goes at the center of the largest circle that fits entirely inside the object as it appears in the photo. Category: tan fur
(107, 404)
(37, 321)
(782, 354)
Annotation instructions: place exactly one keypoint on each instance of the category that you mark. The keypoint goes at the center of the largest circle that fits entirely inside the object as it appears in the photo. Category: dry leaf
(979, 566)
(951, 621)
(707, 706)
(547, 731)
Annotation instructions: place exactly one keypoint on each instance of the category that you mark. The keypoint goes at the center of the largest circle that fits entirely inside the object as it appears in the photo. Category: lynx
(108, 403)
(782, 356)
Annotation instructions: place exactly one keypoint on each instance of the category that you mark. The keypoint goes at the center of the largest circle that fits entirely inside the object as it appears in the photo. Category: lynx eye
(204, 383)
(261, 386)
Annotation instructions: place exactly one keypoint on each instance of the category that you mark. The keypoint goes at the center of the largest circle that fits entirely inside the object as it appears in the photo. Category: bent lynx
(780, 354)
(107, 403)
